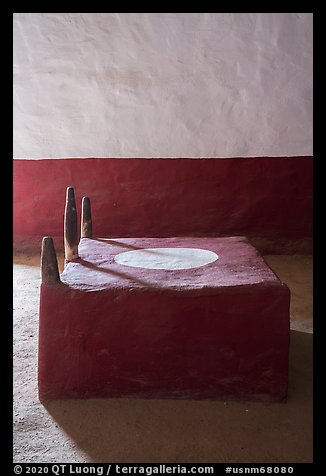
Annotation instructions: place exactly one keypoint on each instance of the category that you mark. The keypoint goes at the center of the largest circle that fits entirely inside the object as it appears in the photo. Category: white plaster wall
(162, 84)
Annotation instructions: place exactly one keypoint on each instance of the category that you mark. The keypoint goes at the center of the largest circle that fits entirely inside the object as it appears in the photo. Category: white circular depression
(166, 258)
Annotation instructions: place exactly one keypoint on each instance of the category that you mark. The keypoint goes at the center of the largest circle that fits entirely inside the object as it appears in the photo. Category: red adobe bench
(179, 317)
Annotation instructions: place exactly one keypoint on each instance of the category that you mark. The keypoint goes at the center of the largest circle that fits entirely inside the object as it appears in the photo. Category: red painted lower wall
(264, 198)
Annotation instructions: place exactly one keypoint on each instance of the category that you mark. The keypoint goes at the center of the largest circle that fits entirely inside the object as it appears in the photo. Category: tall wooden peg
(70, 226)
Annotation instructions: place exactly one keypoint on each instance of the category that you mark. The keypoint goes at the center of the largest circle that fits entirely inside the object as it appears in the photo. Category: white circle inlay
(166, 258)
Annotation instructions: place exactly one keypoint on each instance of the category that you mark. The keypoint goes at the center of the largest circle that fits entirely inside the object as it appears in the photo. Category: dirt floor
(154, 431)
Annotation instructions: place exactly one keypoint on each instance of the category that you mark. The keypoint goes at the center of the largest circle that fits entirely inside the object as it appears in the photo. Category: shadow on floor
(154, 431)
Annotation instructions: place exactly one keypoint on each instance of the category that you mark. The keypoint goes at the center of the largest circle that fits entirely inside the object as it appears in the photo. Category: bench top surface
(177, 263)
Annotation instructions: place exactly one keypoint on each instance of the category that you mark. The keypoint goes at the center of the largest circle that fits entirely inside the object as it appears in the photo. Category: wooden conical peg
(49, 263)
(86, 219)
(70, 226)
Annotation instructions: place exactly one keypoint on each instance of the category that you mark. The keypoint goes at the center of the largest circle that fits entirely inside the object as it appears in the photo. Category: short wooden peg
(49, 263)
(86, 220)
